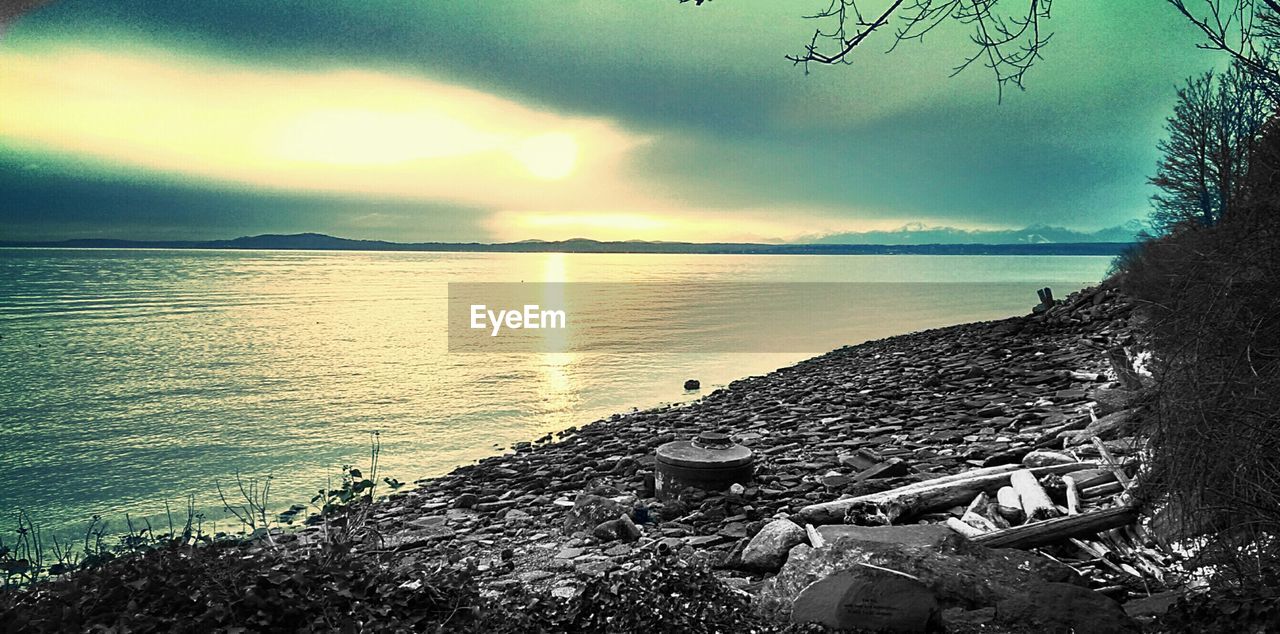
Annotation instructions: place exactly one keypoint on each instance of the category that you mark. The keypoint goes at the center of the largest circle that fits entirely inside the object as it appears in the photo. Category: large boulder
(589, 511)
(959, 573)
(872, 601)
(768, 549)
(1064, 608)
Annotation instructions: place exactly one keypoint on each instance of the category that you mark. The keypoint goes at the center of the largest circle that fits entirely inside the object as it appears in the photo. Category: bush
(225, 586)
(202, 589)
(1211, 302)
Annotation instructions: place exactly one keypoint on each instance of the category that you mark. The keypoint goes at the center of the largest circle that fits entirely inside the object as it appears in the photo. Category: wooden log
(1073, 495)
(978, 503)
(964, 529)
(1093, 477)
(815, 538)
(1059, 529)
(1035, 502)
(1109, 555)
(923, 497)
(1009, 505)
(995, 513)
(1102, 489)
(1008, 496)
(1110, 461)
(979, 522)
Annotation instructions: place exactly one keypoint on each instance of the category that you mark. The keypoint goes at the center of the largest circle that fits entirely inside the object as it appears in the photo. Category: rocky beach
(855, 421)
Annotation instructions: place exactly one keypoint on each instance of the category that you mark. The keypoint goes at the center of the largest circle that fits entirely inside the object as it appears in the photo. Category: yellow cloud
(354, 131)
(342, 131)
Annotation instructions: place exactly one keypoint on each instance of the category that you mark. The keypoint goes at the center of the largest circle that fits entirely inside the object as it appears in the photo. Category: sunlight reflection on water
(135, 377)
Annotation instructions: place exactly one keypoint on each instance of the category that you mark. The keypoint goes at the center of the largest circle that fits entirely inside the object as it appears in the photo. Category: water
(135, 377)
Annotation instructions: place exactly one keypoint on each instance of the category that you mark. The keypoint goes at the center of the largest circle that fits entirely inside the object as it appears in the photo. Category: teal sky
(607, 119)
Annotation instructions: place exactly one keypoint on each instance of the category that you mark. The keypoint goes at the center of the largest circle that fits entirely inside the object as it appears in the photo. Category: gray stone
(869, 600)
(960, 573)
(465, 501)
(907, 535)
(620, 528)
(768, 550)
(1064, 608)
(570, 553)
(590, 511)
(1045, 458)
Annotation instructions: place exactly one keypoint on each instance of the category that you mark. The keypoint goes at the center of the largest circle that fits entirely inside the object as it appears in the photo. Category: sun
(550, 156)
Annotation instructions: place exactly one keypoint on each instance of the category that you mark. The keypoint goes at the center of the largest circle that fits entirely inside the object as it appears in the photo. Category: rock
(466, 501)
(959, 573)
(1064, 608)
(692, 384)
(622, 529)
(891, 468)
(1154, 605)
(869, 600)
(931, 535)
(978, 617)
(767, 551)
(570, 553)
(1108, 426)
(1045, 458)
(590, 511)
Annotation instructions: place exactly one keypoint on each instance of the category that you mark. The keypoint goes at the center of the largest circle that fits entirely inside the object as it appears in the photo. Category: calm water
(130, 378)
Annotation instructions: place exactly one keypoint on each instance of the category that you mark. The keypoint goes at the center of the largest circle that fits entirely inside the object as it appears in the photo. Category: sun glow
(346, 131)
(529, 173)
(550, 156)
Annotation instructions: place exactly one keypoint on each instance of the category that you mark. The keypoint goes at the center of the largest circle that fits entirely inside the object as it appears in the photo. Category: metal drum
(711, 462)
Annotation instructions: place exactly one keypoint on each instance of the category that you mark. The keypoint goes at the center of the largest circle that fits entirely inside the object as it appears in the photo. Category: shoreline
(857, 420)
(941, 401)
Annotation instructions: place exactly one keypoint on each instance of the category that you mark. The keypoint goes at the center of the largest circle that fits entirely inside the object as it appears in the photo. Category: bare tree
(1006, 43)
(1213, 131)
(1008, 35)
(1247, 30)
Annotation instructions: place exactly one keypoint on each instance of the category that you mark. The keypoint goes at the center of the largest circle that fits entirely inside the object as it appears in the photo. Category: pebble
(859, 419)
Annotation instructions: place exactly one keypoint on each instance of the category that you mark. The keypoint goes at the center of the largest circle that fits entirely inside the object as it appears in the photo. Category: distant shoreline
(321, 242)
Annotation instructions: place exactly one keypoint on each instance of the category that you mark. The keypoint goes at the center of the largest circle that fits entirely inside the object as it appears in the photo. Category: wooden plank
(1059, 529)
(930, 495)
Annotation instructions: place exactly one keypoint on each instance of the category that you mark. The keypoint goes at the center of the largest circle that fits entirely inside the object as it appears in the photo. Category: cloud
(11, 10)
(348, 131)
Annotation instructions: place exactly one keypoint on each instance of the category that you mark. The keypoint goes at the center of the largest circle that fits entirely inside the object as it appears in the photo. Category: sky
(418, 120)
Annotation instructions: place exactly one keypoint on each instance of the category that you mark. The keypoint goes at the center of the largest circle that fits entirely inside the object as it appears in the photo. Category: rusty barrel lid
(709, 450)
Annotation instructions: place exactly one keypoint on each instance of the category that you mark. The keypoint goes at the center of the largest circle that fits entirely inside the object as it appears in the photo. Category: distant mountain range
(319, 241)
(917, 233)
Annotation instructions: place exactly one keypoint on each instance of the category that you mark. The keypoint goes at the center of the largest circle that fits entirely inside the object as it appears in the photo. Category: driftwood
(1100, 490)
(1010, 505)
(815, 538)
(961, 527)
(995, 513)
(1111, 462)
(1035, 502)
(1059, 529)
(923, 497)
(979, 522)
(1093, 477)
(1073, 495)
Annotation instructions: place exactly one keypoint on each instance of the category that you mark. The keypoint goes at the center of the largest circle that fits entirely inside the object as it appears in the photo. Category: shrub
(223, 586)
(1211, 302)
